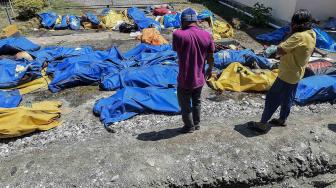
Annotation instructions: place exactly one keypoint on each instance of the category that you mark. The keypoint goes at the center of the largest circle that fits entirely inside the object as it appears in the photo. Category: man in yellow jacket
(295, 53)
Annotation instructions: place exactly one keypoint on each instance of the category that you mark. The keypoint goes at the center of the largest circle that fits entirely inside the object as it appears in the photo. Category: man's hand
(208, 73)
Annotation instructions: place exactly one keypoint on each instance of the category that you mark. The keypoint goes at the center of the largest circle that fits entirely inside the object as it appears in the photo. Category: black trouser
(190, 104)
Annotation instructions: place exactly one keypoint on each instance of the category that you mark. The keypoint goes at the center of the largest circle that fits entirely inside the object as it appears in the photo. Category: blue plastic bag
(131, 101)
(205, 14)
(316, 89)
(324, 41)
(10, 99)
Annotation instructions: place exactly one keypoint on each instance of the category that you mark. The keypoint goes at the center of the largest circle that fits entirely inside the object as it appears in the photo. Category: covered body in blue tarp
(84, 69)
(135, 52)
(48, 19)
(52, 53)
(130, 101)
(323, 40)
(63, 22)
(246, 57)
(92, 18)
(12, 45)
(10, 99)
(141, 20)
(316, 89)
(13, 72)
(172, 20)
(160, 76)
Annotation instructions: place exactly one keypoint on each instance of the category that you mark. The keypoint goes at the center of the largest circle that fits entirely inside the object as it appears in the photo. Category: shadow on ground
(161, 135)
(332, 127)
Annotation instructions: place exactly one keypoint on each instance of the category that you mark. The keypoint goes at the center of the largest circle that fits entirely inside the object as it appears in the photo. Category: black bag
(127, 28)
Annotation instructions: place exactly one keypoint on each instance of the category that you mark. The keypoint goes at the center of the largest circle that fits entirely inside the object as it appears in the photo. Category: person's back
(192, 46)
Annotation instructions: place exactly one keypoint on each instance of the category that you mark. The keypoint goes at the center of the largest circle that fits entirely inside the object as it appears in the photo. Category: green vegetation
(27, 9)
(261, 14)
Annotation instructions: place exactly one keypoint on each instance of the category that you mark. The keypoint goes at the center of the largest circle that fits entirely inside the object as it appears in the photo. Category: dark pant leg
(273, 100)
(196, 105)
(184, 99)
(288, 101)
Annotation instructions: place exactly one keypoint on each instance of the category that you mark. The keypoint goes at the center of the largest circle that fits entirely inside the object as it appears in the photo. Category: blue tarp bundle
(48, 19)
(83, 70)
(12, 45)
(160, 76)
(93, 18)
(74, 22)
(129, 102)
(205, 14)
(246, 57)
(63, 23)
(141, 20)
(10, 99)
(323, 40)
(316, 88)
(172, 20)
(331, 24)
(12, 72)
(52, 53)
(135, 52)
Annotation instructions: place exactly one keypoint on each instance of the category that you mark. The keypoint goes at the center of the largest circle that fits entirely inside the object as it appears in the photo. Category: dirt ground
(148, 151)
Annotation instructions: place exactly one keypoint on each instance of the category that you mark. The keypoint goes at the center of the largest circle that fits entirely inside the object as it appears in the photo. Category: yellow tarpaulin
(222, 30)
(152, 36)
(37, 84)
(22, 120)
(111, 19)
(237, 77)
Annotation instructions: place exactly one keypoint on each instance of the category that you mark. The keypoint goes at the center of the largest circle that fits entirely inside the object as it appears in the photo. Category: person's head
(188, 18)
(301, 21)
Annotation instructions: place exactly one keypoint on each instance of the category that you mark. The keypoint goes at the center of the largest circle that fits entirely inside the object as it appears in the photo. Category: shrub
(262, 14)
(27, 9)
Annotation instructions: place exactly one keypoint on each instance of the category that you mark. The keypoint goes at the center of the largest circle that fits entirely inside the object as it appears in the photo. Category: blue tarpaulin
(146, 48)
(93, 18)
(12, 45)
(141, 20)
(172, 20)
(160, 76)
(246, 57)
(131, 101)
(63, 24)
(74, 22)
(84, 69)
(48, 19)
(323, 40)
(330, 24)
(316, 88)
(12, 72)
(10, 99)
(205, 14)
(52, 53)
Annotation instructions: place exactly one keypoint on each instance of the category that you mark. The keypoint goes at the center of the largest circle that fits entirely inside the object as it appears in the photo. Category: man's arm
(210, 61)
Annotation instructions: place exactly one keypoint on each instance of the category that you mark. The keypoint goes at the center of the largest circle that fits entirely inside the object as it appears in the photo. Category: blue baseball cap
(189, 15)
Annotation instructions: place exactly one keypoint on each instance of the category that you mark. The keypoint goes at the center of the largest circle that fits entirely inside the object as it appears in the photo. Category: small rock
(13, 170)
(151, 163)
(115, 178)
(205, 179)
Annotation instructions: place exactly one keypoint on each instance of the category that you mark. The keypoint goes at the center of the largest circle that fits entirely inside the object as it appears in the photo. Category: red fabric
(318, 64)
(161, 11)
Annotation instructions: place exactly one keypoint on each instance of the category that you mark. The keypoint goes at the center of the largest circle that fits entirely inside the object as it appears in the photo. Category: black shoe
(259, 127)
(197, 127)
(185, 130)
